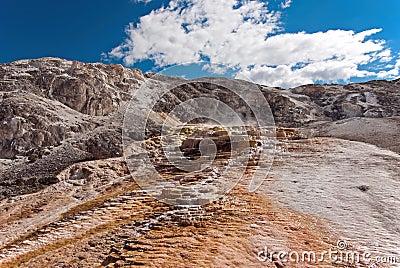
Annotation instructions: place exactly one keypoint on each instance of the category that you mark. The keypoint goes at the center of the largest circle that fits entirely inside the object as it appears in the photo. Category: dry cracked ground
(68, 198)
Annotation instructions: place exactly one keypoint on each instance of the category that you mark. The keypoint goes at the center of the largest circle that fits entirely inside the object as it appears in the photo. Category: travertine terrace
(68, 198)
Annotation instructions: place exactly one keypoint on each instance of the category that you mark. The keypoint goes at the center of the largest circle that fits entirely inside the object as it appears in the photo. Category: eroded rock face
(93, 89)
(54, 113)
(293, 110)
(46, 101)
(374, 99)
(30, 122)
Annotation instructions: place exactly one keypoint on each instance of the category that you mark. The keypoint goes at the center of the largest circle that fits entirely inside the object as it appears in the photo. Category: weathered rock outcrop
(374, 99)
(93, 89)
(54, 113)
(46, 101)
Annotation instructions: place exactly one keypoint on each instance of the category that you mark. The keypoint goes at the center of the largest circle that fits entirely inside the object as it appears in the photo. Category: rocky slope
(65, 189)
(71, 111)
(47, 100)
(55, 113)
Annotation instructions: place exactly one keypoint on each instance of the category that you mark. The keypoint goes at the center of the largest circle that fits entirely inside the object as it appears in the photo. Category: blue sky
(279, 42)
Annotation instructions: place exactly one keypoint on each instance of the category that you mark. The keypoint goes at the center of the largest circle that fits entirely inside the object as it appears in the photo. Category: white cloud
(286, 3)
(392, 72)
(324, 56)
(142, 1)
(286, 76)
(248, 37)
(186, 30)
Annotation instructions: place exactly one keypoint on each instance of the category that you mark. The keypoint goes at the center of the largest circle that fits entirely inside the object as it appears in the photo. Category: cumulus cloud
(330, 56)
(191, 30)
(142, 1)
(247, 36)
(393, 71)
(286, 3)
